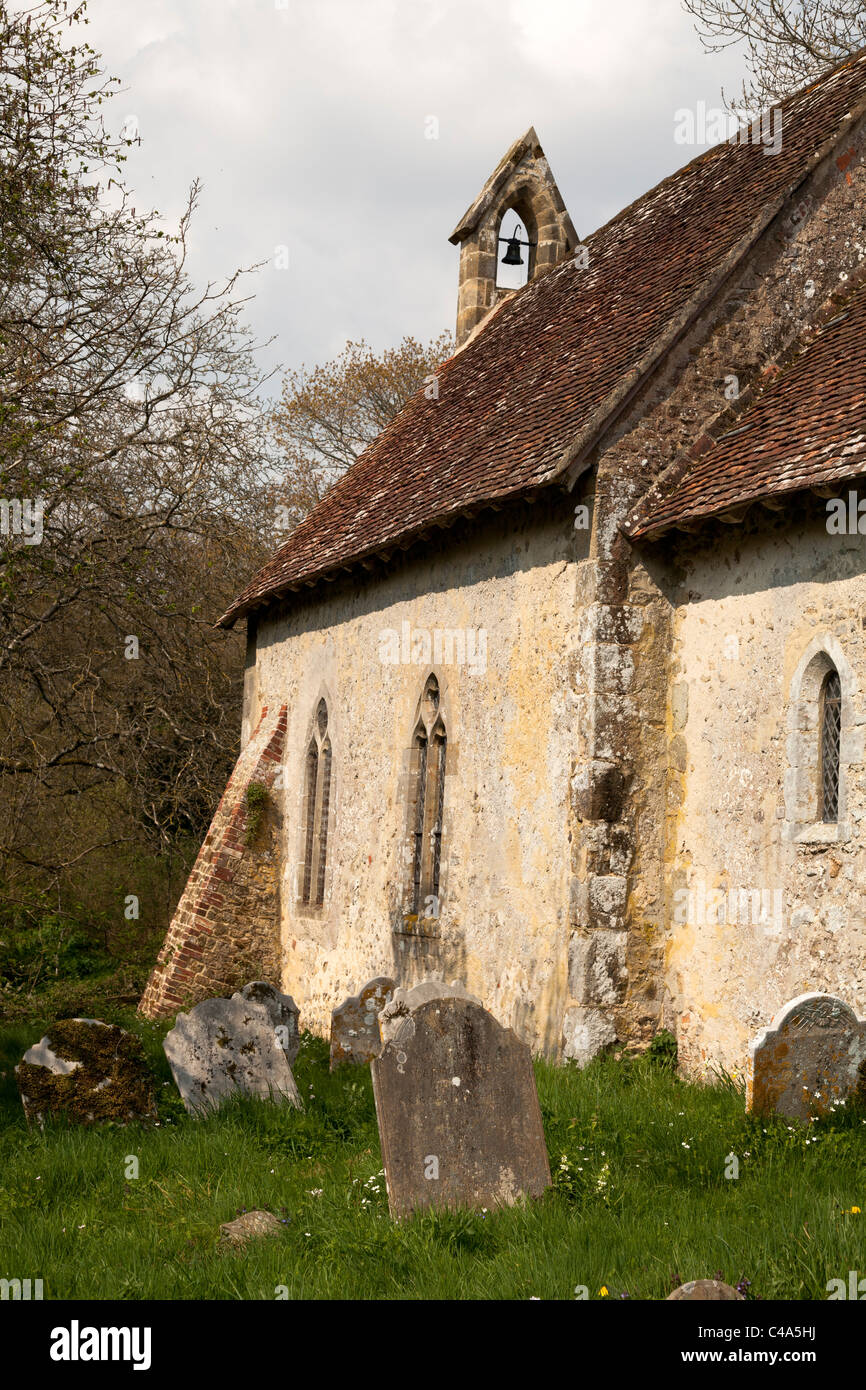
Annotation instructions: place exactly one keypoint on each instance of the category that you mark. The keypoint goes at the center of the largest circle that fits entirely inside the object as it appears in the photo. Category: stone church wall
(510, 590)
(743, 714)
(630, 764)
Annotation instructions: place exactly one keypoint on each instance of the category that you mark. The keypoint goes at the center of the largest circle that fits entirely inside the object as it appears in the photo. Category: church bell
(512, 252)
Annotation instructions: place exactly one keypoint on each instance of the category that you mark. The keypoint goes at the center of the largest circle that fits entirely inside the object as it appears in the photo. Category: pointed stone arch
(522, 180)
(823, 659)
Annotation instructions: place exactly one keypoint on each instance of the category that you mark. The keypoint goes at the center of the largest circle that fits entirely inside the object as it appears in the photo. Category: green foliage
(662, 1051)
(256, 800)
(55, 946)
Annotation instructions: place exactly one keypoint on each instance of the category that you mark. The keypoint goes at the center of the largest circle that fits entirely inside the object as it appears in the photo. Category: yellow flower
(850, 1211)
(603, 1291)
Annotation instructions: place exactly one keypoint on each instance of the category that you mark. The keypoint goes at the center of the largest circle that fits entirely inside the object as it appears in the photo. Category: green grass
(641, 1205)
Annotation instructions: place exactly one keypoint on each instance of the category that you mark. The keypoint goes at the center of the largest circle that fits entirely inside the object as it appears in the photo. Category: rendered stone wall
(742, 825)
(511, 733)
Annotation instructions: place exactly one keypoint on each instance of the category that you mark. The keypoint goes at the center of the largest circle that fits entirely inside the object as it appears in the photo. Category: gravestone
(812, 1054)
(250, 1225)
(355, 1024)
(89, 1071)
(281, 1011)
(706, 1291)
(458, 1113)
(223, 1046)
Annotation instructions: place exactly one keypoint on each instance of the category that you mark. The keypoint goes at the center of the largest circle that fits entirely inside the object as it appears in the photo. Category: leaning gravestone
(281, 1011)
(812, 1054)
(87, 1070)
(223, 1046)
(458, 1113)
(355, 1024)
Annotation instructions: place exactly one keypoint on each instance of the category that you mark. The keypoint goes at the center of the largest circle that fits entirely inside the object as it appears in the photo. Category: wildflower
(603, 1291)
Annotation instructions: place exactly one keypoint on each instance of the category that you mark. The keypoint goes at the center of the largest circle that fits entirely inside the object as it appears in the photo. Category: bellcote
(523, 184)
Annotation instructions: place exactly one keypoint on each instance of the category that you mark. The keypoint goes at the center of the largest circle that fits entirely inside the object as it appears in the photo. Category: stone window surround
(408, 923)
(801, 787)
(299, 907)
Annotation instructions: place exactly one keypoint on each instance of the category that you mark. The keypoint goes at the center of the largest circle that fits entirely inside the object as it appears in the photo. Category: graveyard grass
(640, 1201)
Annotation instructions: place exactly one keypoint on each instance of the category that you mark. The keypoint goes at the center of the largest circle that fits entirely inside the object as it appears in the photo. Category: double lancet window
(317, 799)
(428, 757)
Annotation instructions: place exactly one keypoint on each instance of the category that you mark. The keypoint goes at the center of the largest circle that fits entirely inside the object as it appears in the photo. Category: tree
(326, 418)
(788, 42)
(133, 471)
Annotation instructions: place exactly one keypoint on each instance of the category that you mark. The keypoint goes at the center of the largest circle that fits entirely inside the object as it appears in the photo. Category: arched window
(823, 695)
(317, 800)
(830, 735)
(429, 752)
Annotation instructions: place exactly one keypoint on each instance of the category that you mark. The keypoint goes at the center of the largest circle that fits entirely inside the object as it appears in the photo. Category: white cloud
(306, 125)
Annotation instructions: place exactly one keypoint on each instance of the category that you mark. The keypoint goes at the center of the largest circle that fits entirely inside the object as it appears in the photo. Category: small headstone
(282, 1012)
(355, 1024)
(89, 1071)
(223, 1046)
(808, 1057)
(249, 1226)
(706, 1291)
(458, 1113)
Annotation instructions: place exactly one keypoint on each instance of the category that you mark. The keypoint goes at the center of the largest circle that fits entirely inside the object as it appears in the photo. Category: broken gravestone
(706, 1291)
(250, 1225)
(223, 1046)
(812, 1054)
(355, 1024)
(458, 1113)
(281, 1011)
(89, 1071)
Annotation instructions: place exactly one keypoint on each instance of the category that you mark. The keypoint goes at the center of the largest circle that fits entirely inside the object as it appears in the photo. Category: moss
(112, 1082)
(256, 800)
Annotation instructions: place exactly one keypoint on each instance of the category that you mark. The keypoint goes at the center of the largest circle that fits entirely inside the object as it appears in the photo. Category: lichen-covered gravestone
(223, 1046)
(706, 1291)
(281, 1011)
(87, 1070)
(355, 1024)
(812, 1054)
(458, 1113)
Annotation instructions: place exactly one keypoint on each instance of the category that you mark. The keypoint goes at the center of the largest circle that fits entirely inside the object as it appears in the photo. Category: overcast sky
(307, 122)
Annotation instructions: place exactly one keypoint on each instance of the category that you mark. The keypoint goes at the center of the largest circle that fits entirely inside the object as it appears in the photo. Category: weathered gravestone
(227, 1045)
(812, 1054)
(281, 1011)
(458, 1113)
(249, 1226)
(87, 1070)
(355, 1024)
(706, 1291)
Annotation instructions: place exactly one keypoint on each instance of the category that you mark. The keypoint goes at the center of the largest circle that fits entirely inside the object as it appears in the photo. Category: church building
(560, 692)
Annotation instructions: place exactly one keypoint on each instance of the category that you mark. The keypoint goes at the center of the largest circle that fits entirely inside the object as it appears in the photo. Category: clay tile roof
(524, 397)
(806, 428)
